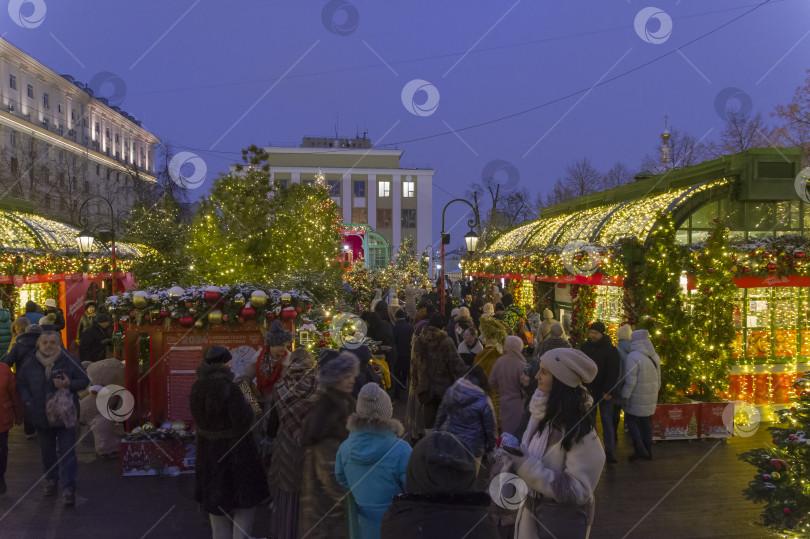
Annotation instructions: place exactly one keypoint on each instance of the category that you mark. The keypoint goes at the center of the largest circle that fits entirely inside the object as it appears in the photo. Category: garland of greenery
(584, 299)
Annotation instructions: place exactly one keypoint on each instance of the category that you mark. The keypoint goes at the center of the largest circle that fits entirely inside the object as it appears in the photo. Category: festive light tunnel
(727, 299)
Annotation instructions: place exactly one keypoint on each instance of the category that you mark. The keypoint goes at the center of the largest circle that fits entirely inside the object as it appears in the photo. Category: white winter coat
(643, 379)
(569, 477)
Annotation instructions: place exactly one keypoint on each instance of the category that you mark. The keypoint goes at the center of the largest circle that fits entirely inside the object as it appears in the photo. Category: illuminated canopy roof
(24, 231)
(602, 223)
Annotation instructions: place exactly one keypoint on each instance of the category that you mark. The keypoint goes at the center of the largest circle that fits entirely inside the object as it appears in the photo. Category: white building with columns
(370, 185)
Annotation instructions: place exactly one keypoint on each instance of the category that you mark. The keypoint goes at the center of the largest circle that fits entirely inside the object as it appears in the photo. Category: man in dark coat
(606, 386)
(95, 341)
(441, 500)
(403, 334)
(229, 476)
(383, 332)
(46, 370)
(50, 307)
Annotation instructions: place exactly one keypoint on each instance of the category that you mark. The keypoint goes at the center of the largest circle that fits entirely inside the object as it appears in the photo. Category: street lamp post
(86, 237)
(470, 241)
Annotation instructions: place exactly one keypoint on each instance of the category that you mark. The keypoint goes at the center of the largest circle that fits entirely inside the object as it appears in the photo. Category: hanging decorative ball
(298, 309)
(746, 269)
(779, 464)
(775, 476)
(178, 425)
(164, 313)
(212, 294)
(659, 295)
(239, 300)
(193, 310)
(286, 297)
(154, 298)
(258, 298)
(167, 425)
(248, 312)
(787, 510)
(215, 316)
(186, 321)
(198, 324)
(270, 316)
(799, 254)
(140, 299)
(710, 270)
(766, 477)
(175, 292)
(714, 220)
(225, 317)
(772, 266)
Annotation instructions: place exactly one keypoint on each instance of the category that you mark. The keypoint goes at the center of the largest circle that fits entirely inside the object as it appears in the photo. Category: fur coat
(228, 472)
(322, 509)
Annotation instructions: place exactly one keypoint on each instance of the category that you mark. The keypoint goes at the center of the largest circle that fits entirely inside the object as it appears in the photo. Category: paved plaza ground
(693, 490)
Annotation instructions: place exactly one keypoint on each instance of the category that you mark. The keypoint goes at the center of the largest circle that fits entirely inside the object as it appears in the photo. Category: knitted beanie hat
(598, 326)
(277, 335)
(34, 328)
(569, 366)
(373, 401)
(513, 344)
(333, 370)
(556, 330)
(625, 332)
(50, 302)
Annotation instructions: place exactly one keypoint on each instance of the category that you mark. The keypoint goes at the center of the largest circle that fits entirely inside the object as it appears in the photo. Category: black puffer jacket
(606, 357)
(21, 349)
(229, 474)
(439, 516)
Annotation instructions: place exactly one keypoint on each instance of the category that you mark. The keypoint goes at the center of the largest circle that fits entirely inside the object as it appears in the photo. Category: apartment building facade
(377, 195)
(59, 144)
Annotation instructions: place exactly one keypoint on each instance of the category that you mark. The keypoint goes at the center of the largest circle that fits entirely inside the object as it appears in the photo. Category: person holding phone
(48, 369)
(562, 456)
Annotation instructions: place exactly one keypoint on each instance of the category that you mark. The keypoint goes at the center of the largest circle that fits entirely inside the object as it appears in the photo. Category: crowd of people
(314, 441)
(481, 396)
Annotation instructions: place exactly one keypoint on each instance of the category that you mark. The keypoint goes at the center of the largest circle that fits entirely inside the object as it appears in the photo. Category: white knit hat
(372, 401)
(570, 366)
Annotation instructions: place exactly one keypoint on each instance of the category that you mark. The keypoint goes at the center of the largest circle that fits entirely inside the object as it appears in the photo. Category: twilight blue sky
(213, 77)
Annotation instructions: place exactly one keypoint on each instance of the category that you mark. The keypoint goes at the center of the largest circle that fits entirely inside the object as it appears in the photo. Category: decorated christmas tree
(251, 229)
(713, 313)
(662, 308)
(783, 481)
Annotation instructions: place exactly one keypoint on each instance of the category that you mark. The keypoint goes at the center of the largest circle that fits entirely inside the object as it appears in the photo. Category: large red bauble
(211, 296)
(186, 321)
(248, 312)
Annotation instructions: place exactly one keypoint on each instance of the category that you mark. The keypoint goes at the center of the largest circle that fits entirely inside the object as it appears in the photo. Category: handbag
(59, 410)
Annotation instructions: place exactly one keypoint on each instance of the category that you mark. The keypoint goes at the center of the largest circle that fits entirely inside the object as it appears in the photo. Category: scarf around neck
(48, 362)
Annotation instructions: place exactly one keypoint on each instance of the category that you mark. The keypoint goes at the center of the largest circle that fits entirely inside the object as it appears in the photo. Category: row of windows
(46, 99)
(383, 188)
(385, 217)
